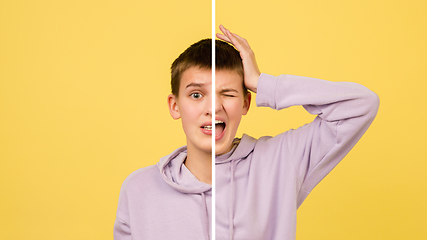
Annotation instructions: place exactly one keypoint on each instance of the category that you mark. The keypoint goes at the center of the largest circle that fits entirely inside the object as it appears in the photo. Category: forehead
(228, 79)
(195, 75)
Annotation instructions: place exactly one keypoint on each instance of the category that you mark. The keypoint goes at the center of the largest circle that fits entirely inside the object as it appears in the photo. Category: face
(194, 107)
(230, 106)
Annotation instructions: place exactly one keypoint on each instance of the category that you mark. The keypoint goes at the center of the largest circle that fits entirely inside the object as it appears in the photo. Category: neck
(200, 165)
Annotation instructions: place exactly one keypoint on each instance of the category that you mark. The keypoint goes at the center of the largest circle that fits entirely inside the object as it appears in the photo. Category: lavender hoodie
(261, 184)
(164, 202)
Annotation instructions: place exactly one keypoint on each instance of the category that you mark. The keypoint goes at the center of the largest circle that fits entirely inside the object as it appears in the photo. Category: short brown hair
(200, 55)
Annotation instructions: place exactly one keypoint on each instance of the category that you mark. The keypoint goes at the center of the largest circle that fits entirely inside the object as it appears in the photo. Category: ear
(246, 103)
(173, 106)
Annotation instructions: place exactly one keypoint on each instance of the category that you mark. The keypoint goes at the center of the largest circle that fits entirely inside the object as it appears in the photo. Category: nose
(218, 106)
(208, 106)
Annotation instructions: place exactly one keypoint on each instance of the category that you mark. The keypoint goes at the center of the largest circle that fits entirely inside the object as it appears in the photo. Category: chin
(219, 150)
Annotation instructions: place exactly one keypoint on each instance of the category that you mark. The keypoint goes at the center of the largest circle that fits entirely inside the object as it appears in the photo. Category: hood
(177, 175)
(245, 146)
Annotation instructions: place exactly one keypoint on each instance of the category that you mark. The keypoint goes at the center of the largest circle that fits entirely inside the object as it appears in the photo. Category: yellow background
(379, 190)
(83, 90)
(83, 87)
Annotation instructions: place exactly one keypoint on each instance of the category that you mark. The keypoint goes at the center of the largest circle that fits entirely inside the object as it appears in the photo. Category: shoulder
(262, 147)
(282, 145)
(145, 177)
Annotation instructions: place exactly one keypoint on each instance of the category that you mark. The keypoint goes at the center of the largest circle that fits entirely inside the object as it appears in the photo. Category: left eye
(196, 95)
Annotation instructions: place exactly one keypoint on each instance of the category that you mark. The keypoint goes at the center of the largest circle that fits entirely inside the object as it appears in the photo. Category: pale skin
(194, 106)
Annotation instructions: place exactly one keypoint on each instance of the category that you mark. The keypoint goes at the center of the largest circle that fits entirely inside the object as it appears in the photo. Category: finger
(240, 43)
(239, 37)
(235, 41)
(226, 34)
(224, 31)
(242, 40)
(222, 37)
(222, 28)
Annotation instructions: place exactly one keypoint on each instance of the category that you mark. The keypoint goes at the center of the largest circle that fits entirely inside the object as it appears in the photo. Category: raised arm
(344, 112)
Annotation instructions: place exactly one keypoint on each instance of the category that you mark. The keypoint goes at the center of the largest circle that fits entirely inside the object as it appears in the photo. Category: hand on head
(250, 66)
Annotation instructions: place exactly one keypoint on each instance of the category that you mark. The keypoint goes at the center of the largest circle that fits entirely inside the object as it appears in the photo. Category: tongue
(218, 129)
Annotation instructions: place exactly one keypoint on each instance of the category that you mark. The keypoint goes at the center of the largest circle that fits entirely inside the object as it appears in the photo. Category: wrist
(252, 84)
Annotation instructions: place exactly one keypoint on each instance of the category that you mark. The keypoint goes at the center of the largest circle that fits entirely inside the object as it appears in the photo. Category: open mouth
(219, 127)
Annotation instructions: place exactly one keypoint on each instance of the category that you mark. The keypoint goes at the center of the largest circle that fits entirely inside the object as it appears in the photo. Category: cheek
(190, 111)
(233, 106)
(234, 110)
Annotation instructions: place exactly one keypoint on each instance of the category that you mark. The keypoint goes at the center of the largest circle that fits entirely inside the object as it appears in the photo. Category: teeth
(209, 127)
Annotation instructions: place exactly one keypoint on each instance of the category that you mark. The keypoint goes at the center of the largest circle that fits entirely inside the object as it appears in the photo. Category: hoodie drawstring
(231, 213)
(205, 215)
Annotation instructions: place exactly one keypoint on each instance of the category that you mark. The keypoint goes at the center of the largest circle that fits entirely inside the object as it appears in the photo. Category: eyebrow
(194, 85)
(225, 90)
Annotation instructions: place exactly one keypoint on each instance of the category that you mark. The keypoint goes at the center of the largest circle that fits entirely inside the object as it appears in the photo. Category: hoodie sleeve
(121, 225)
(344, 112)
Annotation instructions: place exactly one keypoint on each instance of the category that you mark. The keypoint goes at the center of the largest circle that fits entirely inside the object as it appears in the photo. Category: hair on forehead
(199, 55)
